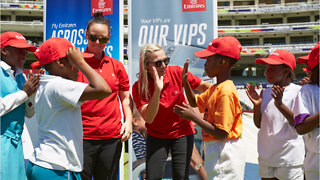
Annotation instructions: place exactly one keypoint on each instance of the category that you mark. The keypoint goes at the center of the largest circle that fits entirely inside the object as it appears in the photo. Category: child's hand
(278, 94)
(253, 95)
(304, 81)
(32, 83)
(74, 56)
(42, 71)
(185, 71)
(185, 112)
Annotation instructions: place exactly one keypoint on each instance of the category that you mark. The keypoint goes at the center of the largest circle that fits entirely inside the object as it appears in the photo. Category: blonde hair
(143, 84)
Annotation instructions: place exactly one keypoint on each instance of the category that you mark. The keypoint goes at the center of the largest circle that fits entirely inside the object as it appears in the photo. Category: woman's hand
(126, 131)
(185, 72)
(158, 81)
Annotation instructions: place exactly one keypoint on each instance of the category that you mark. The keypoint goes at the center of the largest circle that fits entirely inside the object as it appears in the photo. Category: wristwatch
(198, 166)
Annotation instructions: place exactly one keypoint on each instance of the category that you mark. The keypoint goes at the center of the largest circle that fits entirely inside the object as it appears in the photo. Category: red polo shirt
(102, 118)
(167, 124)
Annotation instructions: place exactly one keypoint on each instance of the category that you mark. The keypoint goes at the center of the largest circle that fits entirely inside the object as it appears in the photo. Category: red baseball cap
(279, 56)
(53, 49)
(313, 59)
(304, 59)
(16, 40)
(226, 46)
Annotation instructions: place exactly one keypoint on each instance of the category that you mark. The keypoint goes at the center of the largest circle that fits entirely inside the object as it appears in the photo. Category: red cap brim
(203, 54)
(303, 59)
(268, 61)
(30, 47)
(306, 69)
(37, 64)
(87, 55)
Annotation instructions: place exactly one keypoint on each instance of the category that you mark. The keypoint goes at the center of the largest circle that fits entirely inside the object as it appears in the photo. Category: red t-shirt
(167, 124)
(102, 118)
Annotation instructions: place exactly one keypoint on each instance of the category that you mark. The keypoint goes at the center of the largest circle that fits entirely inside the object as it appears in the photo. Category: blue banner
(69, 18)
(181, 27)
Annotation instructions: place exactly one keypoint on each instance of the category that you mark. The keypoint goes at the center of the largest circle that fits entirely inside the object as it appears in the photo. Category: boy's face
(15, 57)
(213, 66)
(139, 123)
(69, 71)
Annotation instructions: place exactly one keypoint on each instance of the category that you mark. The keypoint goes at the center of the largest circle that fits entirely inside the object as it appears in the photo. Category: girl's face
(96, 36)
(276, 74)
(153, 58)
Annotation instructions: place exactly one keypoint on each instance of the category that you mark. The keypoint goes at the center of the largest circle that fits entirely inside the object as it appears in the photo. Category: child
(59, 153)
(221, 124)
(280, 148)
(304, 60)
(306, 113)
(138, 135)
(14, 106)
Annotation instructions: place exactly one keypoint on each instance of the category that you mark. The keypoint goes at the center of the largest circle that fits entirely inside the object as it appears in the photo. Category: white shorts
(225, 159)
(283, 173)
(311, 165)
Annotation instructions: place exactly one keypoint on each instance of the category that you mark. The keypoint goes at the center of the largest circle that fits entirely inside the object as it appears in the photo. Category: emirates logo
(101, 4)
(20, 37)
(193, 5)
(193, 1)
(104, 6)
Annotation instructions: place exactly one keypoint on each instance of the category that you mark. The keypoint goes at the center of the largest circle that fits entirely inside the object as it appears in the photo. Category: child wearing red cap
(306, 116)
(280, 147)
(59, 153)
(221, 124)
(14, 103)
(304, 60)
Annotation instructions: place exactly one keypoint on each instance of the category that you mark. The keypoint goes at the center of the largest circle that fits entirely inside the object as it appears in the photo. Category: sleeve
(136, 97)
(69, 92)
(12, 101)
(30, 106)
(224, 114)
(194, 81)
(202, 99)
(299, 108)
(123, 77)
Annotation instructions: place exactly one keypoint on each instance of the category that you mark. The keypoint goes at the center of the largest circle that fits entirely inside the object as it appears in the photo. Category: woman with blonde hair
(158, 89)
